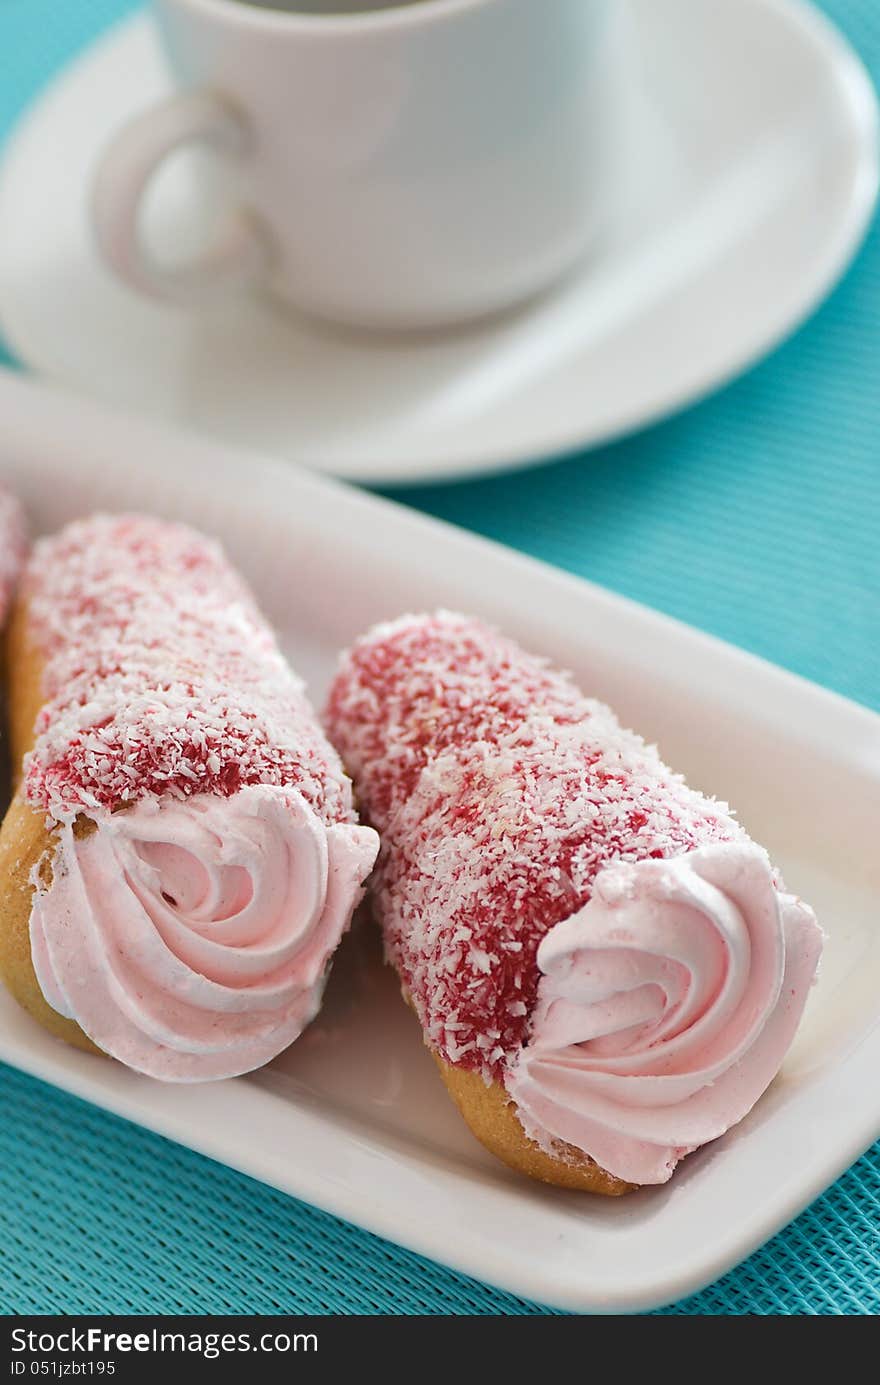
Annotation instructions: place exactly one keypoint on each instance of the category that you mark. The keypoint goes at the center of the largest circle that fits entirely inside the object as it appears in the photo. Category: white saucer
(754, 178)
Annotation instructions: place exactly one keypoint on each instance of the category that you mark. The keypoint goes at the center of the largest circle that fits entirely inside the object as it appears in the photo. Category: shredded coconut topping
(161, 677)
(500, 792)
(13, 545)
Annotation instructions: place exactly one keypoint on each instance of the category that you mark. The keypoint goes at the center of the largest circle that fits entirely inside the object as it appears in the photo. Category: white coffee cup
(408, 165)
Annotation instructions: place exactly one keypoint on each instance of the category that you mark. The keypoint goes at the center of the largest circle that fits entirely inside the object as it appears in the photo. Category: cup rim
(402, 15)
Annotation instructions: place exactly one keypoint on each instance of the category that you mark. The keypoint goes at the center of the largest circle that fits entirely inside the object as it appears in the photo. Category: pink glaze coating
(13, 546)
(161, 677)
(463, 745)
(189, 931)
(507, 802)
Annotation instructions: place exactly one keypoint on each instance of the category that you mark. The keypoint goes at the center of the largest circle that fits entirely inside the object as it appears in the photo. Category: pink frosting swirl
(190, 939)
(666, 1006)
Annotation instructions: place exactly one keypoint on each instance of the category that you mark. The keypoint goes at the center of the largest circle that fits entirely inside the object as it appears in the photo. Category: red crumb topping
(161, 676)
(500, 792)
(13, 545)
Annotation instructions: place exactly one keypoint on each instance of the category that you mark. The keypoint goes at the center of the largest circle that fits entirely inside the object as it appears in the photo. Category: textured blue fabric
(756, 516)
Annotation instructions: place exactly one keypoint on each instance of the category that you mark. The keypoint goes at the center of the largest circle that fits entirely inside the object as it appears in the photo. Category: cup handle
(238, 252)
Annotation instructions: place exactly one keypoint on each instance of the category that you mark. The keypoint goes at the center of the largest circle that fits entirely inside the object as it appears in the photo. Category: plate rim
(539, 1285)
(116, 1090)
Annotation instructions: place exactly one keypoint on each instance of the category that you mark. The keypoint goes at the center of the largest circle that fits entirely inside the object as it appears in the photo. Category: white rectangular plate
(353, 1117)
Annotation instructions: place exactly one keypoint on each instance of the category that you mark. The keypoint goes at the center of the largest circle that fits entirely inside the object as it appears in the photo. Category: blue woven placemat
(756, 516)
